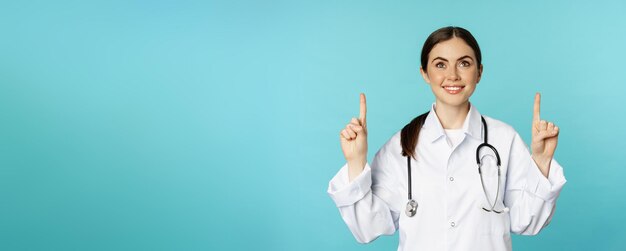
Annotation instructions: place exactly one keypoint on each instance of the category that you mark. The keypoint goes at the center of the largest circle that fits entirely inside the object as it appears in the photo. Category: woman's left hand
(545, 136)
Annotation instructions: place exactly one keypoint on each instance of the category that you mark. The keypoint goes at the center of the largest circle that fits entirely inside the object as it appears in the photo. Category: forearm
(532, 203)
(366, 215)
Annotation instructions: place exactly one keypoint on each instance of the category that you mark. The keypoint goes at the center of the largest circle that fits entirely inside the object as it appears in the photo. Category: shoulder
(500, 128)
(392, 146)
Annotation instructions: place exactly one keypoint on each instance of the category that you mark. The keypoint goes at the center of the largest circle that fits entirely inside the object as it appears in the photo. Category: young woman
(452, 179)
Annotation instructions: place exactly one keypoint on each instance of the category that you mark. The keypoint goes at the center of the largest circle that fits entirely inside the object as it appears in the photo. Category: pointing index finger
(537, 105)
(363, 110)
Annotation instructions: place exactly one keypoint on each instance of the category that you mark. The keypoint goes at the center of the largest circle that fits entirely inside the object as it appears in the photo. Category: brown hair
(445, 34)
(410, 133)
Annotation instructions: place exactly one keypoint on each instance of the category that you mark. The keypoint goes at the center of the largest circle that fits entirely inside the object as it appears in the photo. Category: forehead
(451, 49)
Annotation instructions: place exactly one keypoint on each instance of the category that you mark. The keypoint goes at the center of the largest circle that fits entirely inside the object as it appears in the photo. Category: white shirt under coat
(447, 187)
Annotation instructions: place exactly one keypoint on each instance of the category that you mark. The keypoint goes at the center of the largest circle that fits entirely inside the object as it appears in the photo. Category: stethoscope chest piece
(411, 208)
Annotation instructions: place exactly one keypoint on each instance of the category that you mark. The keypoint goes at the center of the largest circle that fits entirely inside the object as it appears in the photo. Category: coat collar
(472, 125)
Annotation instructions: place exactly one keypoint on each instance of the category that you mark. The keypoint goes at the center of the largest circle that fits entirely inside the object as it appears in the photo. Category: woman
(450, 205)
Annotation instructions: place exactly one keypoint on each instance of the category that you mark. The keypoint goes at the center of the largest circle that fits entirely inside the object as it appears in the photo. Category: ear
(480, 73)
(424, 75)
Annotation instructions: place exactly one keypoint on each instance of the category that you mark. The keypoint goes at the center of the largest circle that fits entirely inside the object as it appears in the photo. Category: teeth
(452, 88)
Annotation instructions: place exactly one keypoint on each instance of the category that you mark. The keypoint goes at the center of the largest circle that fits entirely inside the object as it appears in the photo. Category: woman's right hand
(354, 142)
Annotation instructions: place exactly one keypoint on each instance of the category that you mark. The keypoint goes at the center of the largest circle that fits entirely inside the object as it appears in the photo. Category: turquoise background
(195, 125)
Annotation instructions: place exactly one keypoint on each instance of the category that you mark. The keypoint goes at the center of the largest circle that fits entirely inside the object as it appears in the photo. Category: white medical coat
(447, 187)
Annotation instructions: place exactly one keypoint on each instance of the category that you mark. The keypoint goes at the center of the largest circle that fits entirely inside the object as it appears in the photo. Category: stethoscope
(411, 206)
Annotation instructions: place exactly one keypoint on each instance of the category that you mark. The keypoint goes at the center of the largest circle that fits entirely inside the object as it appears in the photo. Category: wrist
(355, 167)
(543, 164)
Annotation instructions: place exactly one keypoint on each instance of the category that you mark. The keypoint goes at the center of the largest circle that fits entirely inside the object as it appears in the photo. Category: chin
(456, 100)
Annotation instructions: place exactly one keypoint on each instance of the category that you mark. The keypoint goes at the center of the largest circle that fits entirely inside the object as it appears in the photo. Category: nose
(453, 74)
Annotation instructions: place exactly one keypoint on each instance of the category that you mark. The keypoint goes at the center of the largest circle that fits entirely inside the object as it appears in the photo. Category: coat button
(452, 224)
(451, 178)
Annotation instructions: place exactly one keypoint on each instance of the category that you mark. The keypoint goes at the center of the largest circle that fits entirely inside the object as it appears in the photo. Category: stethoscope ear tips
(411, 208)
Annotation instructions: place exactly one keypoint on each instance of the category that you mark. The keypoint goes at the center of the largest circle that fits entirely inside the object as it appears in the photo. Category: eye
(464, 63)
(440, 65)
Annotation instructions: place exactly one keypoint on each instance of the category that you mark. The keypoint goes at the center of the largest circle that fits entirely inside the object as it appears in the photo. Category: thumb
(542, 135)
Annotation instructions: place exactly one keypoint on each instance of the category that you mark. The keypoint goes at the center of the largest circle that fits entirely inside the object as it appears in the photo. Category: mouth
(453, 89)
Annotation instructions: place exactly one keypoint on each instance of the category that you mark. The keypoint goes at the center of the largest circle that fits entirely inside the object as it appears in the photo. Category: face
(452, 72)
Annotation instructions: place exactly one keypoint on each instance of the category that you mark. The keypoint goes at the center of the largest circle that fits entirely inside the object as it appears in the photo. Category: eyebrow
(443, 59)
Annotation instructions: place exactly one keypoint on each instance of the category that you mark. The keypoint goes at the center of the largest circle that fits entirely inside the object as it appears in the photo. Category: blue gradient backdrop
(195, 125)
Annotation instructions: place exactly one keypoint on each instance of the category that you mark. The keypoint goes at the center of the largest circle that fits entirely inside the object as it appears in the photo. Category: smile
(453, 89)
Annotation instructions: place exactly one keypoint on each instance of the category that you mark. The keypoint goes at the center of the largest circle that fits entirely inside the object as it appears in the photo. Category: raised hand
(353, 140)
(545, 136)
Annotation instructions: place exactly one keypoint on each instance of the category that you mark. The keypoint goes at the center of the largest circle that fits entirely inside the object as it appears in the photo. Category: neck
(450, 116)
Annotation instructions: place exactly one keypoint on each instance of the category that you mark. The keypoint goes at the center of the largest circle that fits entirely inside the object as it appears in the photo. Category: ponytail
(409, 135)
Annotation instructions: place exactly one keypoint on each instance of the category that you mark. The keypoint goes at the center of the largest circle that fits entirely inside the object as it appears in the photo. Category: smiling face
(452, 72)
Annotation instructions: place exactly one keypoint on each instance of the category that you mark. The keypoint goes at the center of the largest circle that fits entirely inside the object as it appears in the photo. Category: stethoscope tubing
(411, 207)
